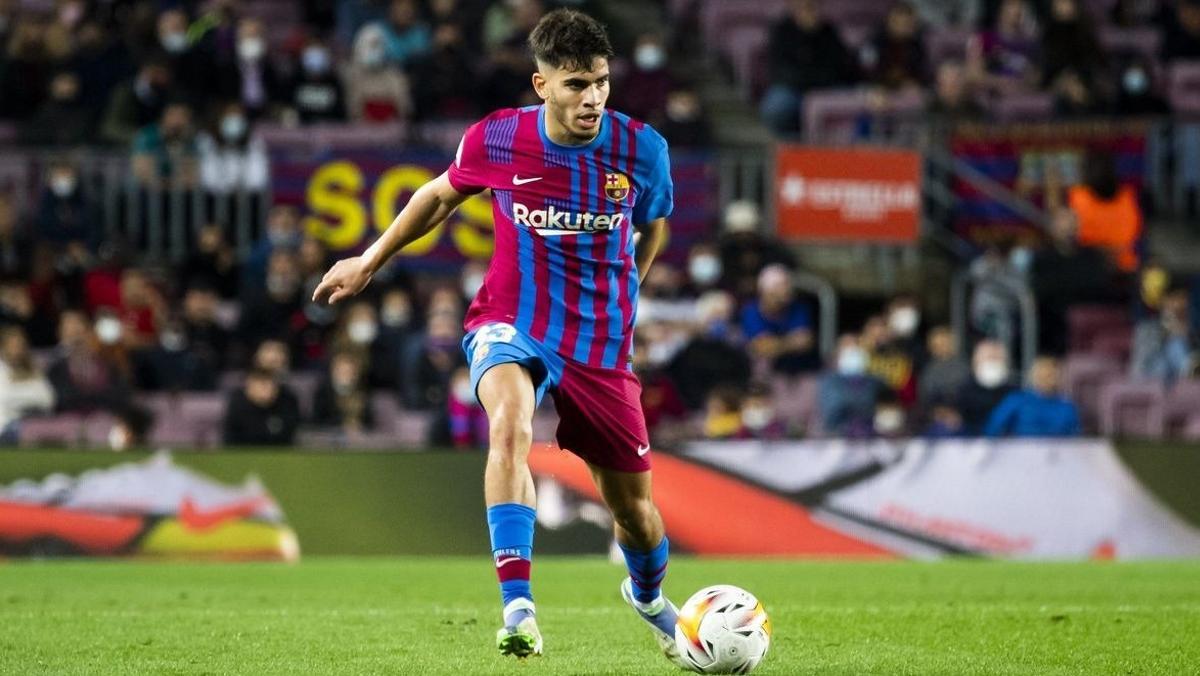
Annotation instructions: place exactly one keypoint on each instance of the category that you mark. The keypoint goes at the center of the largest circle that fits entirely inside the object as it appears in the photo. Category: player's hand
(346, 278)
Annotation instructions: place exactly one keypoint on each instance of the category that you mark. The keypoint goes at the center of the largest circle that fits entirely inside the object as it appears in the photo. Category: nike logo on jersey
(517, 180)
(643, 450)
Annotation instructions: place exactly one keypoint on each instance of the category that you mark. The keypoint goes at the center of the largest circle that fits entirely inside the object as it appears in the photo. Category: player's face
(574, 98)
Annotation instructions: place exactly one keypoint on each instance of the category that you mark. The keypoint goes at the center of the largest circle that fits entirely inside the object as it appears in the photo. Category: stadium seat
(304, 384)
(1191, 429)
(1086, 322)
(202, 414)
(1082, 377)
(96, 428)
(796, 401)
(1116, 342)
(1144, 43)
(832, 114)
(947, 43)
(402, 427)
(856, 12)
(1133, 409)
(1183, 404)
(62, 429)
(718, 16)
(1023, 107)
(746, 49)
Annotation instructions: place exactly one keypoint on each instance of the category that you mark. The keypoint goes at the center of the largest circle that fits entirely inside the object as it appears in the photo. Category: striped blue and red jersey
(563, 270)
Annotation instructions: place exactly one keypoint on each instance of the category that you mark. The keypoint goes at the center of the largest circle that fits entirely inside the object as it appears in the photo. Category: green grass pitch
(439, 616)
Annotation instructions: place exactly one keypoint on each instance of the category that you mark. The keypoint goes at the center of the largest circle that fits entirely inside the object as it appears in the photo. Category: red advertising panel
(834, 194)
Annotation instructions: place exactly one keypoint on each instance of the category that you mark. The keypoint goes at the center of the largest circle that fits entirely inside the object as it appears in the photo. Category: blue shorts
(599, 409)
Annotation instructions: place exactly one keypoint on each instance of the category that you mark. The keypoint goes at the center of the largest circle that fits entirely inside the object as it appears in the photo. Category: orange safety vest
(1113, 225)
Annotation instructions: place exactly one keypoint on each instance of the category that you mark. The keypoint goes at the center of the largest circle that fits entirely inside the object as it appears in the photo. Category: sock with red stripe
(511, 527)
(647, 570)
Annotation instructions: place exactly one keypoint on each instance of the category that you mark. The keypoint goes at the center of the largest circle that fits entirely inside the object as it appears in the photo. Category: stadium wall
(432, 502)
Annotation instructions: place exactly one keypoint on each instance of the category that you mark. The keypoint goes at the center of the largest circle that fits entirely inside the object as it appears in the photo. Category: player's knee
(511, 434)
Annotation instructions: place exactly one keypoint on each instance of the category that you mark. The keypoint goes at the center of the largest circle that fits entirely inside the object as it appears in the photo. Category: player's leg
(507, 394)
(639, 531)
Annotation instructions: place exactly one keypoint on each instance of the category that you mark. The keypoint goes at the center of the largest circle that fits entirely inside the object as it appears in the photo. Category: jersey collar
(590, 145)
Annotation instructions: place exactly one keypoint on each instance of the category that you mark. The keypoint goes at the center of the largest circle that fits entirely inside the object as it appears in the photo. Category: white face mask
(173, 341)
(756, 417)
(903, 321)
(991, 373)
(471, 284)
(233, 127)
(852, 362)
(362, 331)
(251, 49)
(395, 317)
(463, 393)
(705, 269)
(108, 330)
(174, 43)
(118, 439)
(315, 60)
(650, 57)
(62, 186)
(889, 420)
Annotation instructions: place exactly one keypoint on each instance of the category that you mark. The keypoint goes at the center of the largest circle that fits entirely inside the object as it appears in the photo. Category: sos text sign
(849, 195)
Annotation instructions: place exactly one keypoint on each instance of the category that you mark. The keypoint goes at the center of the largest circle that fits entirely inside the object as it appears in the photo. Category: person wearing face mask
(250, 76)
(136, 103)
(232, 157)
(647, 83)
(270, 309)
(713, 355)
(1166, 348)
(190, 63)
(990, 383)
(66, 215)
(164, 153)
(684, 122)
(704, 269)
(376, 90)
(397, 331)
(1039, 410)
(407, 38)
(342, 400)
(759, 420)
(847, 395)
(430, 364)
(899, 355)
(91, 372)
(263, 413)
(316, 93)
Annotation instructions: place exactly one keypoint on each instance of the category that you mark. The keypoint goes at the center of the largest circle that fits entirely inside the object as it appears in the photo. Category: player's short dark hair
(566, 38)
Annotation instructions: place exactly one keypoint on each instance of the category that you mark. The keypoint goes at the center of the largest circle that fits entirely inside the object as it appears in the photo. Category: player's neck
(560, 135)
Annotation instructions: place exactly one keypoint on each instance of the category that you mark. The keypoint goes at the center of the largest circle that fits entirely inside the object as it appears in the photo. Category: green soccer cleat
(522, 639)
(660, 616)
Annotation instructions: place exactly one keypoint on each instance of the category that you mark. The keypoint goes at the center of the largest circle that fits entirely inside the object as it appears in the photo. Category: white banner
(1019, 499)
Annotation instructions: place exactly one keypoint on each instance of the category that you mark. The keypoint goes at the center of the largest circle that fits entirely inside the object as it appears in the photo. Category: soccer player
(571, 181)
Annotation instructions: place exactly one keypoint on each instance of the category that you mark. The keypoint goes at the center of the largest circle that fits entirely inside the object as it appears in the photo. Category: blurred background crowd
(107, 340)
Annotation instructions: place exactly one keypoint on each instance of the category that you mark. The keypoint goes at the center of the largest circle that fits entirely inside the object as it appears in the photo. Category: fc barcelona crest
(616, 186)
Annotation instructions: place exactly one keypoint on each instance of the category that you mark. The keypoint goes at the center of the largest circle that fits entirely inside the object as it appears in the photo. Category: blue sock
(647, 570)
(511, 527)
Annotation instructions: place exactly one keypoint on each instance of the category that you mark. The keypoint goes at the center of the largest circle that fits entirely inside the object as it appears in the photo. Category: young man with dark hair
(571, 181)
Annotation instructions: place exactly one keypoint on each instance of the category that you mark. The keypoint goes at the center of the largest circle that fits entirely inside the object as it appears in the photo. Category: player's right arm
(431, 204)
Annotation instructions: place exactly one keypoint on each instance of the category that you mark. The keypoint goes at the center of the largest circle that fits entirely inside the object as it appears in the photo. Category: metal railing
(960, 286)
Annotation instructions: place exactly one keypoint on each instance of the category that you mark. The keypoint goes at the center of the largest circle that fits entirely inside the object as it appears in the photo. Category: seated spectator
(269, 311)
(441, 81)
(232, 157)
(283, 232)
(142, 310)
(662, 297)
(16, 249)
(1182, 36)
(130, 428)
(26, 70)
(431, 362)
(164, 153)
(703, 269)
(1063, 274)
(945, 373)
(897, 354)
(685, 124)
(1069, 43)
(646, 85)
(316, 93)
(212, 263)
(953, 97)
(778, 326)
(397, 331)
(466, 422)
(805, 53)
(91, 371)
(16, 305)
(759, 418)
(990, 383)
(406, 36)
(722, 413)
(63, 119)
(894, 58)
(376, 91)
(745, 251)
(23, 387)
(1038, 411)
(137, 103)
(67, 217)
(274, 357)
(1165, 347)
(997, 282)
(891, 419)
(204, 340)
(342, 399)
(847, 396)
(190, 62)
(1003, 56)
(359, 333)
(263, 413)
(251, 78)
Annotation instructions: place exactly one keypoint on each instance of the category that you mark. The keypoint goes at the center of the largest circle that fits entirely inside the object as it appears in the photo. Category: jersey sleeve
(468, 173)
(657, 199)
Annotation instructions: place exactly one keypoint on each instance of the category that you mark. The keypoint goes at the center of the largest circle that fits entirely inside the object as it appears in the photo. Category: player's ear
(540, 85)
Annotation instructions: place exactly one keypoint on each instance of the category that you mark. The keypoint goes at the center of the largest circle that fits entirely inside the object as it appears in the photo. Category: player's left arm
(653, 237)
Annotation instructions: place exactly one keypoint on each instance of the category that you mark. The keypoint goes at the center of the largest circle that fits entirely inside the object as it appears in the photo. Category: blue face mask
(1135, 81)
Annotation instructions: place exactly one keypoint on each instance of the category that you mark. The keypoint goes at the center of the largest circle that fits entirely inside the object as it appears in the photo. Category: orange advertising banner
(836, 194)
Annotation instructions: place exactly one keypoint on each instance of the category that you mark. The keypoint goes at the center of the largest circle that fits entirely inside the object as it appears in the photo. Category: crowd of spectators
(1014, 46)
(185, 85)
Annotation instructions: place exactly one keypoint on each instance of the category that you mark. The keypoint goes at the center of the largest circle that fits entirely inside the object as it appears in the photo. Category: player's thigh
(508, 396)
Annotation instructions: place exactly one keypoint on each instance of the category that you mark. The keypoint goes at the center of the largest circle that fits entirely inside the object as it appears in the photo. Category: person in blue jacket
(1038, 410)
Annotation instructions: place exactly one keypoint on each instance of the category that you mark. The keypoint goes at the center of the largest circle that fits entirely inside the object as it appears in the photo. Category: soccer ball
(723, 630)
